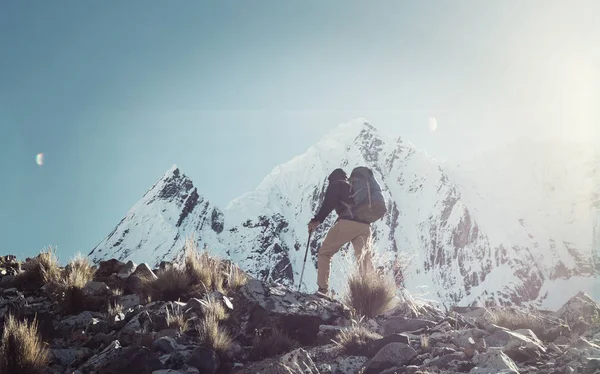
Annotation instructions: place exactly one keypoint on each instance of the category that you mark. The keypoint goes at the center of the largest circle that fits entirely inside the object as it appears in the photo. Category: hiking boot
(322, 292)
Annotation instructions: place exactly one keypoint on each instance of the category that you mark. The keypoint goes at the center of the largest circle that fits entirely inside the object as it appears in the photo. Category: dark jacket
(337, 191)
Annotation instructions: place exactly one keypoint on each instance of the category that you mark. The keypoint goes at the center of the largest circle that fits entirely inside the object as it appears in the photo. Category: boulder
(116, 359)
(327, 334)
(579, 307)
(493, 361)
(134, 281)
(377, 345)
(67, 356)
(205, 360)
(298, 315)
(129, 301)
(349, 365)
(108, 268)
(79, 321)
(518, 346)
(94, 288)
(393, 354)
(443, 362)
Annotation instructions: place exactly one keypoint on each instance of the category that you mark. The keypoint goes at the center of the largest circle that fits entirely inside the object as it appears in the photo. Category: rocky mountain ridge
(412, 337)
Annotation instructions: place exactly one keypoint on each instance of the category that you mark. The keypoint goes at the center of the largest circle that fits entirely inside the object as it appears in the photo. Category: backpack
(368, 203)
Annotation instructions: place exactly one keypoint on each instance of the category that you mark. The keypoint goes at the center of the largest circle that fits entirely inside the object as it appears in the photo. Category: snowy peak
(479, 233)
(155, 227)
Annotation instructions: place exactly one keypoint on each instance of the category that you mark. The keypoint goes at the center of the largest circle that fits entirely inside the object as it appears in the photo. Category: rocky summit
(120, 325)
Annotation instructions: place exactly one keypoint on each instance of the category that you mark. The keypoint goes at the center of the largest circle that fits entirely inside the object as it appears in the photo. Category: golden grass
(66, 287)
(354, 340)
(39, 270)
(213, 308)
(203, 269)
(270, 342)
(177, 320)
(214, 337)
(369, 293)
(543, 327)
(236, 277)
(197, 275)
(22, 349)
(171, 284)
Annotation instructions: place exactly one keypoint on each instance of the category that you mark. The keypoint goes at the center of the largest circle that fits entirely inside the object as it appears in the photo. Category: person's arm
(331, 199)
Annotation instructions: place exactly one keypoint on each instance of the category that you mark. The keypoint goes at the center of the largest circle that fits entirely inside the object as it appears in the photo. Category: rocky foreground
(113, 327)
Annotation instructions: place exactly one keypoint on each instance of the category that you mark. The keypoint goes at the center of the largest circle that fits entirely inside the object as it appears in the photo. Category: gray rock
(97, 325)
(393, 354)
(580, 306)
(562, 340)
(134, 282)
(442, 351)
(400, 324)
(444, 361)
(350, 364)
(126, 270)
(377, 345)
(298, 359)
(67, 356)
(171, 333)
(179, 358)
(517, 346)
(165, 344)
(134, 359)
(205, 360)
(96, 289)
(493, 361)
(108, 354)
(129, 301)
(298, 314)
(327, 333)
(79, 321)
(168, 371)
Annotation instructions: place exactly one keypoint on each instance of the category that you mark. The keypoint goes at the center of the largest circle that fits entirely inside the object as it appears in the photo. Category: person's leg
(362, 247)
(341, 233)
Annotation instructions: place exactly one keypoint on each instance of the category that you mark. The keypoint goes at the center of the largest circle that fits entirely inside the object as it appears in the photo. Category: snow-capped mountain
(466, 242)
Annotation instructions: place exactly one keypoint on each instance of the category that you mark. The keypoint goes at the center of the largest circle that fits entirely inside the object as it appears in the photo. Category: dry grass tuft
(203, 269)
(22, 349)
(172, 284)
(236, 277)
(114, 313)
(66, 287)
(79, 271)
(355, 340)
(270, 342)
(213, 308)
(177, 320)
(215, 337)
(545, 328)
(39, 270)
(369, 293)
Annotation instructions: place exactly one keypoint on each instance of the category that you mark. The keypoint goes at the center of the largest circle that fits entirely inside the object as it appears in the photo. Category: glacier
(480, 233)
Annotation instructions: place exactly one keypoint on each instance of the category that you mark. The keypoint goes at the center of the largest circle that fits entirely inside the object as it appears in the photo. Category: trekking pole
(305, 255)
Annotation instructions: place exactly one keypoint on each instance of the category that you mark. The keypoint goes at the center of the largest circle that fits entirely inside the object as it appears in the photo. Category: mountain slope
(462, 249)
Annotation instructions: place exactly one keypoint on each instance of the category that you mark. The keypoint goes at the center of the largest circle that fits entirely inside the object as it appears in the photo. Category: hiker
(358, 202)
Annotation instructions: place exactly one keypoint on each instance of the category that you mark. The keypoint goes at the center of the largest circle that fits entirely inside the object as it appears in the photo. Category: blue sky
(115, 92)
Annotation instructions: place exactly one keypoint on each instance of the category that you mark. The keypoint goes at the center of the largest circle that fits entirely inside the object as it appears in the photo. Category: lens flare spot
(432, 124)
(39, 159)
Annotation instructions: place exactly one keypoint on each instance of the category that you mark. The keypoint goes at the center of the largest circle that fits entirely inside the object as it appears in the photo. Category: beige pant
(342, 232)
